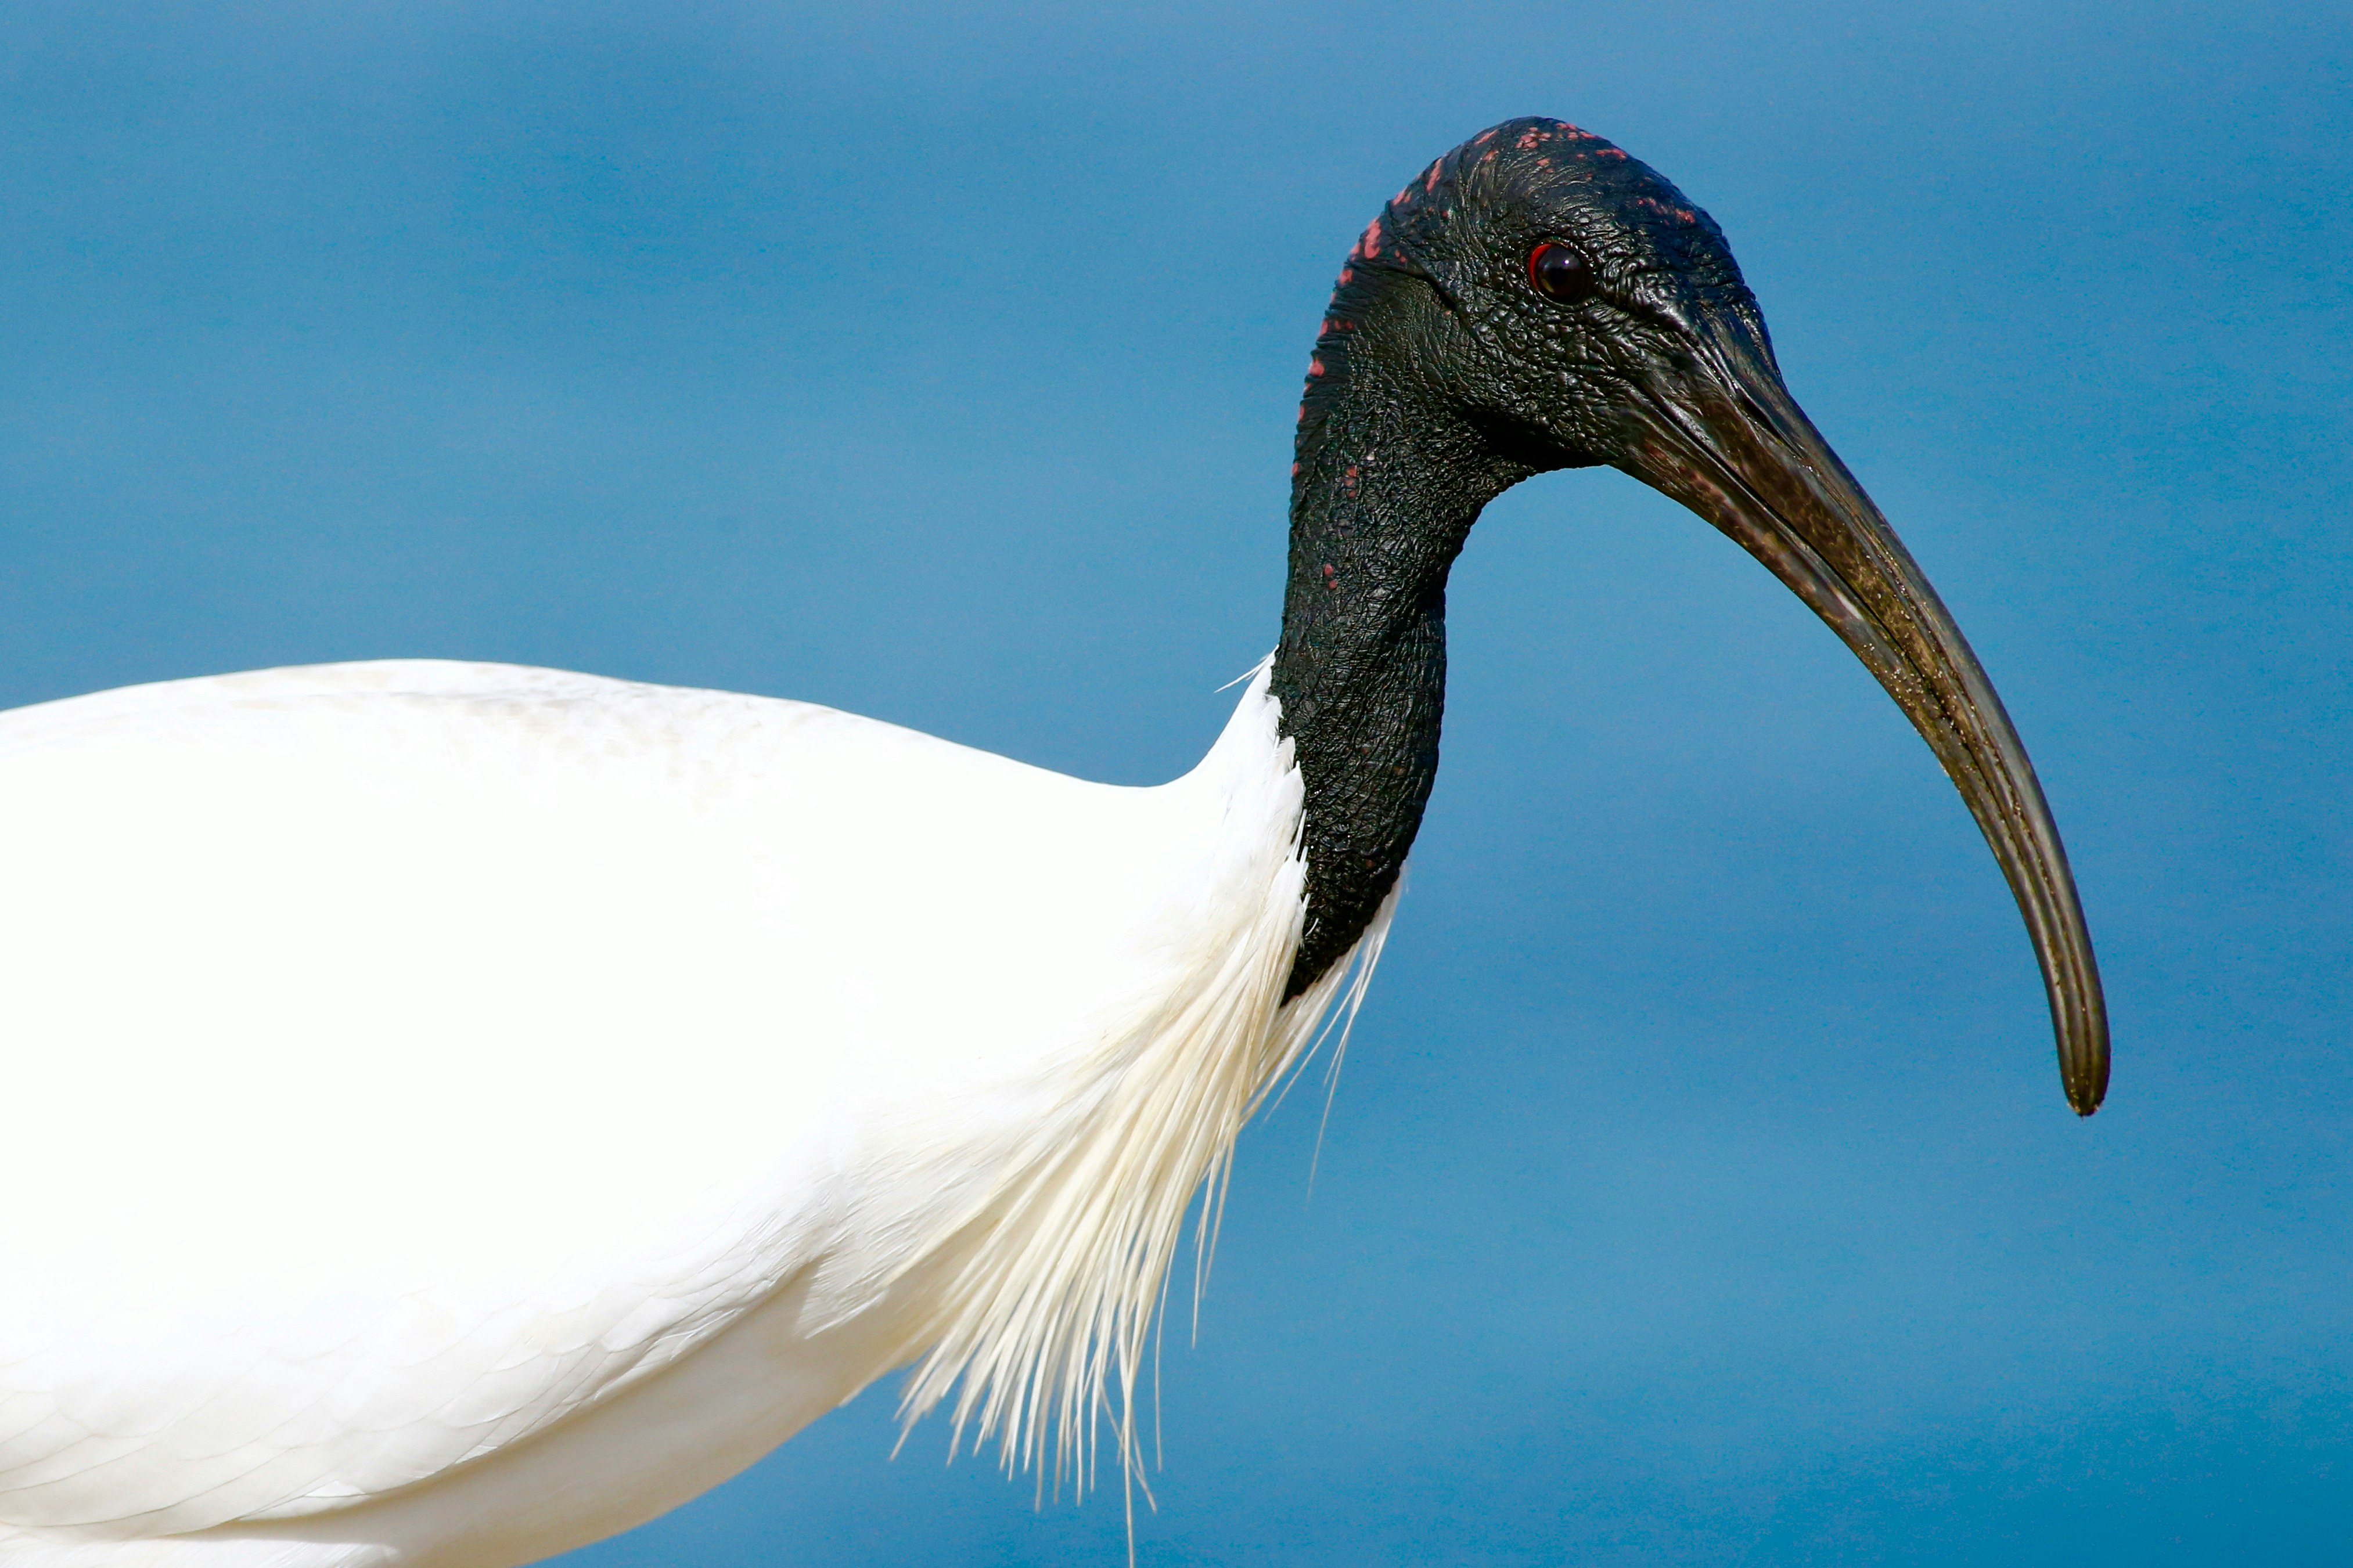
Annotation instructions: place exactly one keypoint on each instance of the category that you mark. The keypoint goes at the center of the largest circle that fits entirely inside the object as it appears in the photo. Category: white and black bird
(459, 1112)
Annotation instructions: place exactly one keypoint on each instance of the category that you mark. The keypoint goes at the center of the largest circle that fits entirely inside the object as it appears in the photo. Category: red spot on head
(1483, 137)
(1528, 140)
(1315, 366)
(1347, 273)
(1429, 181)
(1294, 470)
(1488, 156)
(1544, 162)
(1369, 243)
(1608, 153)
(1403, 191)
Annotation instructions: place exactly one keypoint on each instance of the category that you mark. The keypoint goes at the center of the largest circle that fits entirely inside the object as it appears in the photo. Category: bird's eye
(1557, 272)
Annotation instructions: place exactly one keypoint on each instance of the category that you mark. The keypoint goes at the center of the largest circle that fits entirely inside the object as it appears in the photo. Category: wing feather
(317, 1194)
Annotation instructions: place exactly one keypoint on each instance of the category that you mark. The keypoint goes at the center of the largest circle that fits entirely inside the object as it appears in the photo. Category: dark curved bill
(1721, 434)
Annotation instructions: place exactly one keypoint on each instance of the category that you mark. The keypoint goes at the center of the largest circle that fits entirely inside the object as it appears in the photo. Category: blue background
(1699, 1190)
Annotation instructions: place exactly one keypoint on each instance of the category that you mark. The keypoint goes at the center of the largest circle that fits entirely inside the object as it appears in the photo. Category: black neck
(1387, 483)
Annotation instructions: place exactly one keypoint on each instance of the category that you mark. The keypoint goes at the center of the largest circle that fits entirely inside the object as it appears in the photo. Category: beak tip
(2088, 1087)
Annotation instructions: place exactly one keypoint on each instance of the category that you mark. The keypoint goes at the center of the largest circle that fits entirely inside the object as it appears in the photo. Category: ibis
(459, 1111)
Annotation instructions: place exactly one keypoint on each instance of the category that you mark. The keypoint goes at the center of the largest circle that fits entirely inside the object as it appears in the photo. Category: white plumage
(462, 1110)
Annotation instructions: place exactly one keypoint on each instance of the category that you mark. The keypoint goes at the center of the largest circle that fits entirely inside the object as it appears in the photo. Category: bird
(462, 1111)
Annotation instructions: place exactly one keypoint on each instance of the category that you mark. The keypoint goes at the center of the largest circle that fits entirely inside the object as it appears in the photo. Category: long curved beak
(1720, 434)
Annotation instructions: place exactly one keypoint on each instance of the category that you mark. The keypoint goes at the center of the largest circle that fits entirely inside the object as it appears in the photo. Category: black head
(1558, 281)
(1538, 299)
(1570, 271)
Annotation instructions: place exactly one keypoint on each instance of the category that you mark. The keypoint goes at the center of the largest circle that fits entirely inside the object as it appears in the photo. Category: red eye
(1557, 272)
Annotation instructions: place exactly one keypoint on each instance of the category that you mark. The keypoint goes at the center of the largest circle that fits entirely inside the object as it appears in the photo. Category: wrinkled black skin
(1441, 379)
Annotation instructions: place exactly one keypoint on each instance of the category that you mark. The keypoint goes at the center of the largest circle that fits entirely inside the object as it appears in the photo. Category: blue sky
(1699, 1190)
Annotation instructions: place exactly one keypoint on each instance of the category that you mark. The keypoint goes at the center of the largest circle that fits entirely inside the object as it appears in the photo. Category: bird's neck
(1387, 483)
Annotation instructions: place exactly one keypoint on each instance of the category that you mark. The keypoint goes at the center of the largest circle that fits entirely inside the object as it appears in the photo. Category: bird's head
(1568, 287)
(1563, 305)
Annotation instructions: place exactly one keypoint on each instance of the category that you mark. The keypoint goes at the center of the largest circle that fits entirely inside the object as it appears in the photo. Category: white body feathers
(460, 1111)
